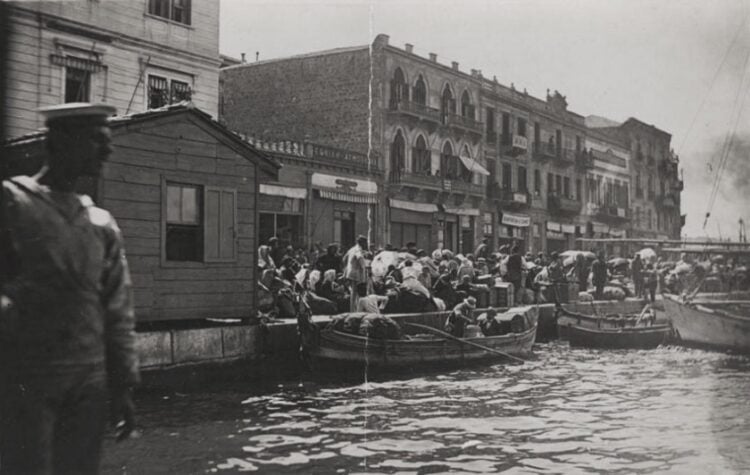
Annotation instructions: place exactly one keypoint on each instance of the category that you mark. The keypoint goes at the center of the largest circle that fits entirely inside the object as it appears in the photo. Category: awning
(412, 206)
(553, 226)
(285, 191)
(349, 196)
(517, 220)
(461, 211)
(473, 166)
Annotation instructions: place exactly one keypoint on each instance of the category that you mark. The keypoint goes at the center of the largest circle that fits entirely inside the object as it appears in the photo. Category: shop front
(460, 224)
(556, 239)
(411, 222)
(341, 209)
(281, 214)
(514, 229)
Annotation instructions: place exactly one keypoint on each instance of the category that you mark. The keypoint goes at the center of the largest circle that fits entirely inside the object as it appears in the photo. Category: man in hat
(330, 260)
(460, 316)
(355, 270)
(67, 324)
(599, 275)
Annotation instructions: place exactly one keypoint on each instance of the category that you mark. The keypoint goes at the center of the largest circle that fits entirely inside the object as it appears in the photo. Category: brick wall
(323, 97)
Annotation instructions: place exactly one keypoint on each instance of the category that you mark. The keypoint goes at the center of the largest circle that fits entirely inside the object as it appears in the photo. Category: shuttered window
(220, 224)
(200, 224)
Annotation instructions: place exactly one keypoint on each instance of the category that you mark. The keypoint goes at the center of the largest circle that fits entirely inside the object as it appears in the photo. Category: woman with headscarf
(265, 261)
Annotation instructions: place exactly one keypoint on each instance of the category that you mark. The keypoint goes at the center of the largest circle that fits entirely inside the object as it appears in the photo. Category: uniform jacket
(69, 283)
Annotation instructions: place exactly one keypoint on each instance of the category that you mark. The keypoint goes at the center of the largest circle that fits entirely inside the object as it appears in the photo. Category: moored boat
(641, 337)
(345, 349)
(721, 324)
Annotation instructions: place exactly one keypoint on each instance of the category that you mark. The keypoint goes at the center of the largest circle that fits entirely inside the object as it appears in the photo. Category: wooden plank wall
(131, 190)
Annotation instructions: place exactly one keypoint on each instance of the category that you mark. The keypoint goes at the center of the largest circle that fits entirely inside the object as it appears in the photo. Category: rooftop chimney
(257, 55)
(454, 65)
(243, 58)
(433, 57)
(409, 47)
(381, 40)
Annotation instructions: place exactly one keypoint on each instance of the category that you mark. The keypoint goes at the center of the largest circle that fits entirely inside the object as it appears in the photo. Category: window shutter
(221, 224)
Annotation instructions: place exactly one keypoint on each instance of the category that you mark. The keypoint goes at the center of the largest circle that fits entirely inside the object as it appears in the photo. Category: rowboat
(328, 346)
(628, 337)
(717, 323)
(611, 331)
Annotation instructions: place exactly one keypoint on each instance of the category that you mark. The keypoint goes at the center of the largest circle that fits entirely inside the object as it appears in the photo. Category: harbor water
(670, 410)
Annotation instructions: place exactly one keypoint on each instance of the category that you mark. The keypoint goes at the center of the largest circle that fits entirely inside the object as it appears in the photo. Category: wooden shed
(184, 190)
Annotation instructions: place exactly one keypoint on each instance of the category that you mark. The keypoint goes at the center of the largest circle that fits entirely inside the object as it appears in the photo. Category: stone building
(423, 133)
(455, 156)
(132, 54)
(654, 179)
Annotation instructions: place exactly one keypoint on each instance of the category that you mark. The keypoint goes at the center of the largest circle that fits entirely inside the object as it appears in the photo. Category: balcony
(678, 185)
(416, 110)
(416, 180)
(465, 124)
(463, 187)
(584, 161)
(514, 145)
(510, 199)
(567, 157)
(608, 214)
(563, 205)
(667, 200)
(544, 151)
(667, 168)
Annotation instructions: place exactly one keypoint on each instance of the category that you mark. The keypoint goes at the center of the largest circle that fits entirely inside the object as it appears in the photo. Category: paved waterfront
(671, 410)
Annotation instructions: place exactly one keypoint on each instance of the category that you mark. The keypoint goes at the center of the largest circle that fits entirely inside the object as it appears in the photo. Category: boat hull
(701, 325)
(343, 349)
(623, 338)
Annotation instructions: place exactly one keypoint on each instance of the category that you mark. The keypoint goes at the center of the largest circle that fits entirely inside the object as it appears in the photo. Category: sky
(680, 65)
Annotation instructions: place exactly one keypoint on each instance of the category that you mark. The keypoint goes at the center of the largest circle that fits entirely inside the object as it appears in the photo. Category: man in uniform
(67, 327)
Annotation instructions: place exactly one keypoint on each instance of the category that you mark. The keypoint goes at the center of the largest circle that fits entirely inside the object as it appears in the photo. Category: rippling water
(568, 411)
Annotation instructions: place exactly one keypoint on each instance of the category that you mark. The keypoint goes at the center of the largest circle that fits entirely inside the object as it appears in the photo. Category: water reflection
(569, 411)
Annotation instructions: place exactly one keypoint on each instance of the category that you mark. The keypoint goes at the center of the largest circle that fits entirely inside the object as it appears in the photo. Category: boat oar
(643, 312)
(461, 340)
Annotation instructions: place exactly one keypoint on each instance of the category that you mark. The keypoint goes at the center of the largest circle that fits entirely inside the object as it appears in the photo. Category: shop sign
(322, 180)
(568, 228)
(517, 220)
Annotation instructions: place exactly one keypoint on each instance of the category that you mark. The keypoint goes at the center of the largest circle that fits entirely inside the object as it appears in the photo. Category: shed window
(200, 223)
(184, 237)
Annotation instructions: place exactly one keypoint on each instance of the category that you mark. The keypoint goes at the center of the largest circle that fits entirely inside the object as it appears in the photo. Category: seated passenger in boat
(460, 316)
(488, 324)
(379, 327)
(369, 303)
(444, 290)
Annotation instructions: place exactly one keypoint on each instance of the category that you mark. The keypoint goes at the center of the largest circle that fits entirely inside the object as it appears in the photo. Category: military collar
(43, 192)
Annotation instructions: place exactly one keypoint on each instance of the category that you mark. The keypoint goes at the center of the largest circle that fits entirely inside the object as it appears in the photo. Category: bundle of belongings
(370, 325)
(493, 324)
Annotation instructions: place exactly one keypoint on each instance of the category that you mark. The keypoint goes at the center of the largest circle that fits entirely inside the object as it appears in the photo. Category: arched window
(398, 154)
(399, 89)
(421, 157)
(420, 91)
(447, 104)
(449, 162)
(467, 108)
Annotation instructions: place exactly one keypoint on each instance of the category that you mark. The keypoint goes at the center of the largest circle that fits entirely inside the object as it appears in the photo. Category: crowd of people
(374, 281)
(410, 279)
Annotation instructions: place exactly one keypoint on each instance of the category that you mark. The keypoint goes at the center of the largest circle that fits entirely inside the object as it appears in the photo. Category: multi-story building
(133, 54)
(654, 178)
(535, 152)
(454, 156)
(423, 132)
